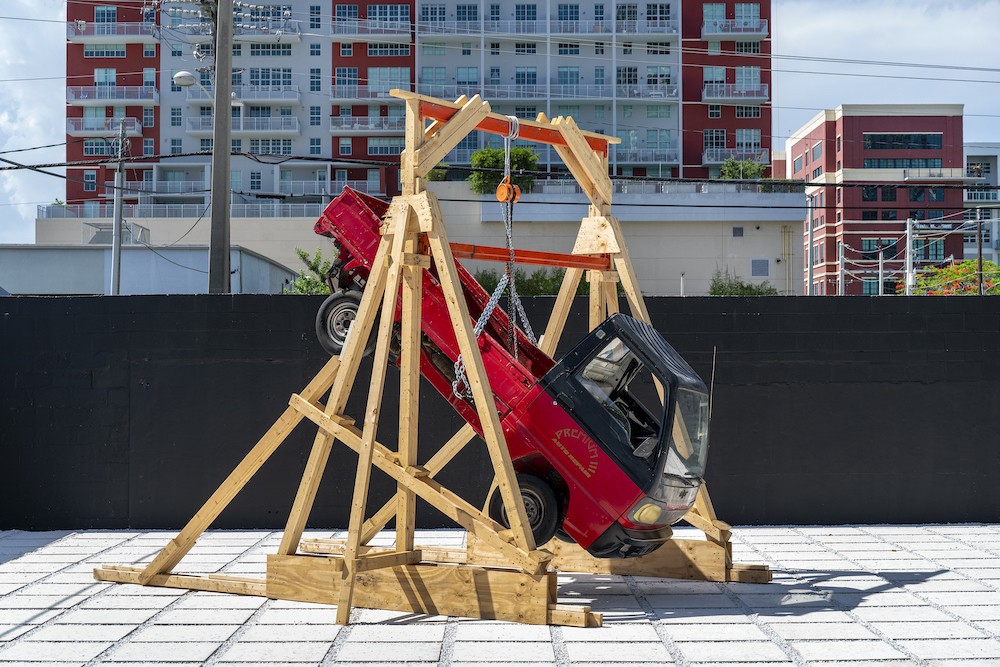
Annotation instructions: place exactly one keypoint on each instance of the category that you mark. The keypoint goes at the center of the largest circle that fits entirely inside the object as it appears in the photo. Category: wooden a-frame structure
(501, 574)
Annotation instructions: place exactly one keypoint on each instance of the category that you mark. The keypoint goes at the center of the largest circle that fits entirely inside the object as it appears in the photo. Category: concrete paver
(841, 596)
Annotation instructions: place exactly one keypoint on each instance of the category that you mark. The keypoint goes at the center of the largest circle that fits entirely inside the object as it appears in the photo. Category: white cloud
(32, 112)
(960, 33)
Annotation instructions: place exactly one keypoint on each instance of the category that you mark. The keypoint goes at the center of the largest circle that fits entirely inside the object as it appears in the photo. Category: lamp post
(218, 246)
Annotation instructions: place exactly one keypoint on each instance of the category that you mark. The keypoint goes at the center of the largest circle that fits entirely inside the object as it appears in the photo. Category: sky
(949, 33)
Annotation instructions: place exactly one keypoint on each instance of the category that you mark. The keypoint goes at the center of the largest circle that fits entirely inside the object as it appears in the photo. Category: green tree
(312, 279)
(961, 279)
(487, 169)
(726, 284)
(733, 169)
(543, 282)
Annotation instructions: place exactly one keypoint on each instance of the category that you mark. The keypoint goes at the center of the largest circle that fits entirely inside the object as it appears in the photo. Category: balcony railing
(982, 195)
(248, 94)
(624, 186)
(734, 29)
(111, 33)
(571, 27)
(102, 127)
(939, 174)
(647, 26)
(98, 95)
(271, 209)
(344, 91)
(286, 124)
(515, 27)
(333, 188)
(365, 27)
(267, 30)
(735, 92)
(176, 187)
(652, 91)
(131, 188)
(649, 155)
(367, 123)
(449, 27)
(720, 155)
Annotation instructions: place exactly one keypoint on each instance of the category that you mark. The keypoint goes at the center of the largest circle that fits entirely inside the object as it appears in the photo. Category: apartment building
(982, 200)
(870, 168)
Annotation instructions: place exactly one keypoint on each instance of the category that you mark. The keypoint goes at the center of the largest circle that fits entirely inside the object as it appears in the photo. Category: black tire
(334, 320)
(540, 504)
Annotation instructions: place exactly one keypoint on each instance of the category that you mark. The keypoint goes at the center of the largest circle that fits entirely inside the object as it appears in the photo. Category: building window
(869, 193)
(525, 12)
(236, 146)
(568, 110)
(525, 76)
(346, 50)
(315, 146)
(387, 49)
(838, 143)
(315, 16)
(935, 250)
(888, 193)
(315, 79)
(255, 180)
(90, 180)
(176, 53)
(626, 48)
(467, 13)
(760, 268)
(315, 116)
(466, 48)
(658, 111)
(437, 49)
(747, 112)
(869, 214)
(737, 232)
(715, 111)
(917, 194)
(207, 144)
(599, 112)
(902, 163)
(149, 51)
(598, 48)
(797, 165)
(525, 48)
(315, 49)
(890, 214)
(817, 151)
(279, 49)
(494, 49)
(935, 194)
(714, 48)
(626, 111)
(344, 146)
(385, 145)
(752, 48)
(568, 49)
(817, 172)
(528, 113)
(869, 286)
(895, 142)
(658, 48)
(107, 51)
(176, 147)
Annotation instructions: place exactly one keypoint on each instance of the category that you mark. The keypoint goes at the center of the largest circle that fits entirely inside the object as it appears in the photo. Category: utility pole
(881, 269)
(116, 225)
(979, 251)
(840, 264)
(909, 278)
(809, 250)
(218, 247)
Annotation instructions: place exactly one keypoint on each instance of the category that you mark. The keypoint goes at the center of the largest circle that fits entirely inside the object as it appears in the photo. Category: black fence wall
(128, 412)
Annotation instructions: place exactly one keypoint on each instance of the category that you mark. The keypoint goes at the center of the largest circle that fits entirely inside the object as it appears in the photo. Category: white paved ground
(860, 595)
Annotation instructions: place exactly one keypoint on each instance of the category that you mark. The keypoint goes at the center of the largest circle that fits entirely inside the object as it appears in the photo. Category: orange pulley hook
(508, 192)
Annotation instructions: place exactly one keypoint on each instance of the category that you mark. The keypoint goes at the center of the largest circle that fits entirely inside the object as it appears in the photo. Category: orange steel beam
(535, 257)
(494, 123)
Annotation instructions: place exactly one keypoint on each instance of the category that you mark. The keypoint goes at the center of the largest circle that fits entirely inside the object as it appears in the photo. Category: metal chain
(460, 385)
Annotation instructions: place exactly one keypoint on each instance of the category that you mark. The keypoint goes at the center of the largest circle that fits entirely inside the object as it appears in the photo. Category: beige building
(679, 234)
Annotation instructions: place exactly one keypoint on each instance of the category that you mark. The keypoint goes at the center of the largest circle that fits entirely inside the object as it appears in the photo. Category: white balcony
(648, 155)
(102, 127)
(88, 32)
(364, 30)
(276, 125)
(939, 174)
(579, 91)
(648, 28)
(654, 92)
(515, 27)
(176, 188)
(344, 92)
(299, 188)
(445, 28)
(269, 209)
(982, 195)
(576, 27)
(741, 30)
(256, 94)
(720, 155)
(722, 93)
(367, 124)
(109, 95)
(263, 31)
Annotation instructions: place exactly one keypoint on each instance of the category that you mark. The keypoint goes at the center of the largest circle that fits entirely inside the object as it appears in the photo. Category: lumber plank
(587, 160)
(596, 299)
(596, 236)
(375, 561)
(380, 364)
(409, 394)
(574, 616)
(476, 372)
(455, 130)
(215, 584)
(450, 590)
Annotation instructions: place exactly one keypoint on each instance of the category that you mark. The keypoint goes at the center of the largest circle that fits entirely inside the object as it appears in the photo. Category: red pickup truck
(609, 443)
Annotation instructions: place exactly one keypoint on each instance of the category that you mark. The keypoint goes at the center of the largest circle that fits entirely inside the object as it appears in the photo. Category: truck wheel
(540, 505)
(334, 320)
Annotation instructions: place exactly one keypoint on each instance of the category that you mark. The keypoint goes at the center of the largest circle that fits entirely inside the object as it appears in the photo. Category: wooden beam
(448, 590)
(533, 257)
(409, 394)
(596, 311)
(560, 311)
(455, 130)
(494, 123)
(585, 165)
(213, 583)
